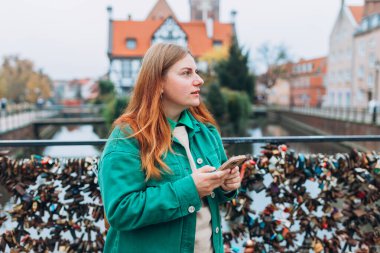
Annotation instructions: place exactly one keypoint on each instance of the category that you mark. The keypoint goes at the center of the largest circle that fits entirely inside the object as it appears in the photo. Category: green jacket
(159, 215)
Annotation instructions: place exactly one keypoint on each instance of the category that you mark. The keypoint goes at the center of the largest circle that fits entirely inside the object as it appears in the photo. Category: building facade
(308, 82)
(340, 60)
(367, 56)
(129, 39)
(280, 93)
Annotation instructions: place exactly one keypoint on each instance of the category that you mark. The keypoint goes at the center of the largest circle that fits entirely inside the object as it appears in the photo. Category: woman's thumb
(206, 169)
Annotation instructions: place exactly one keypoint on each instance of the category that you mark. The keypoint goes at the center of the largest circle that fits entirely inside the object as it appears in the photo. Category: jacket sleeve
(130, 204)
(221, 195)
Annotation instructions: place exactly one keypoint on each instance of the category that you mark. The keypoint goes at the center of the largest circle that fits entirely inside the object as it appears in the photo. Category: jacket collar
(185, 119)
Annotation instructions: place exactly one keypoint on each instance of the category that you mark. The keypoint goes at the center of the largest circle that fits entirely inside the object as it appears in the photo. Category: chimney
(233, 20)
(233, 16)
(210, 27)
(110, 33)
(109, 10)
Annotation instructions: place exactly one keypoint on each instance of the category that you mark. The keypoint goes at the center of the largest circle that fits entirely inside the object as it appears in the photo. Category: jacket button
(191, 209)
(199, 160)
(217, 230)
(212, 194)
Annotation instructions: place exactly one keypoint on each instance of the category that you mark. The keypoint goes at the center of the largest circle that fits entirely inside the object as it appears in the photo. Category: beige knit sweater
(203, 232)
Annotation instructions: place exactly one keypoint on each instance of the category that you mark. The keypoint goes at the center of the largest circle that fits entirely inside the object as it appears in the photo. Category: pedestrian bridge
(52, 115)
(69, 121)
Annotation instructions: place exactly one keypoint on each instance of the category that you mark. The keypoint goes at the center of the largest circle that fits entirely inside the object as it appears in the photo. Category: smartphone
(233, 162)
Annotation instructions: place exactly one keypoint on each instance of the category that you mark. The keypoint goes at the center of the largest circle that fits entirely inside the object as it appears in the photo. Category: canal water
(264, 128)
(76, 133)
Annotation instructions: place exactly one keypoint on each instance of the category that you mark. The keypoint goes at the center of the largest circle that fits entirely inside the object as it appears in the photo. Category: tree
(274, 59)
(212, 58)
(217, 103)
(234, 73)
(239, 109)
(20, 82)
(106, 92)
(114, 109)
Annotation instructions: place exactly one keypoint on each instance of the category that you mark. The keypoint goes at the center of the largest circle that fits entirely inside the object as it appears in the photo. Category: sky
(68, 38)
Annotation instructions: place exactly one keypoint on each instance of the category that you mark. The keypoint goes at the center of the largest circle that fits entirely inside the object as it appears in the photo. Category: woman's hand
(232, 181)
(206, 179)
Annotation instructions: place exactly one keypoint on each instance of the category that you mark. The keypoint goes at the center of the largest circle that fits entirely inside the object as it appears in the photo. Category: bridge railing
(287, 201)
(21, 115)
(357, 115)
(226, 140)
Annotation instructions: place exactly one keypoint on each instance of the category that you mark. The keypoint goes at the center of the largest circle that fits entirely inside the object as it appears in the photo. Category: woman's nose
(198, 80)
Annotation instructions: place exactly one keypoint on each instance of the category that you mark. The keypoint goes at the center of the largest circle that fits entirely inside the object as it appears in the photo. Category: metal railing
(22, 115)
(356, 115)
(227, 140)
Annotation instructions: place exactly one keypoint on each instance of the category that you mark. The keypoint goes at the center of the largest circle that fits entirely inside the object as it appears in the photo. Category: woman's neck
(173, 114)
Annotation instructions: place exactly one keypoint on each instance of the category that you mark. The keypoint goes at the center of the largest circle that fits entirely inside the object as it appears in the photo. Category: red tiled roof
(142, 31)
(198, 42)
(223, 32)
(357, 12)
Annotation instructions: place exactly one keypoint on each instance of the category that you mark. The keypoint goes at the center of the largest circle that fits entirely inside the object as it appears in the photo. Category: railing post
(374, 114)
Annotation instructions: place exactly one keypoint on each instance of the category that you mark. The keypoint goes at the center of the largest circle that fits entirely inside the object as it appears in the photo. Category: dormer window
(217, 43)
(131, 43)
(374, 21)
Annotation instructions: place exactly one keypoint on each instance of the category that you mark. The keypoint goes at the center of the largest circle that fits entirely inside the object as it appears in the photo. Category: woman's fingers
(232, 180)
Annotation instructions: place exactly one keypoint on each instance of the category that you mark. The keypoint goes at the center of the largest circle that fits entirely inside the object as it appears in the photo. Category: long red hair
(145, 114)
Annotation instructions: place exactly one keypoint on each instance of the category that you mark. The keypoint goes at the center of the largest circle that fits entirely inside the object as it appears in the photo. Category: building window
(126, 69)
(217, 43)
(364, 25)
(361, 72)
(372, 60)
(310, 67)
(339, 99)
(371, 81)
(362, 48)
(131, 43)
(348, 99)
(332, 102)
(374, 21)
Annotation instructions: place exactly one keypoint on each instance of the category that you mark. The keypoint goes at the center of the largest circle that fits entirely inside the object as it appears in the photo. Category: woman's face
(181, 87)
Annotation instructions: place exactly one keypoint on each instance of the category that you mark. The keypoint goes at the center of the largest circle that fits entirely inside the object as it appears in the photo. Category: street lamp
(377, 69)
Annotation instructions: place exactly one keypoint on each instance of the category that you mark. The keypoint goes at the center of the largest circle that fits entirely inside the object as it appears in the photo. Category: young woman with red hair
(157, 174)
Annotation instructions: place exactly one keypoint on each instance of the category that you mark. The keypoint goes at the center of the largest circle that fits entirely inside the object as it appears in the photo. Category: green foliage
(114, 109)
(239, 109)
(106, 92)
(234, 73)
(216, 103)
(106, 87)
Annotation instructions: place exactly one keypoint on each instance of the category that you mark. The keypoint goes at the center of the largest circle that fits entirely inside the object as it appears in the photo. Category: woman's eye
(187, 73)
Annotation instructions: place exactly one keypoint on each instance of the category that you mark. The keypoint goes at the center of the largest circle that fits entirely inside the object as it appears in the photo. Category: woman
(155, 180)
